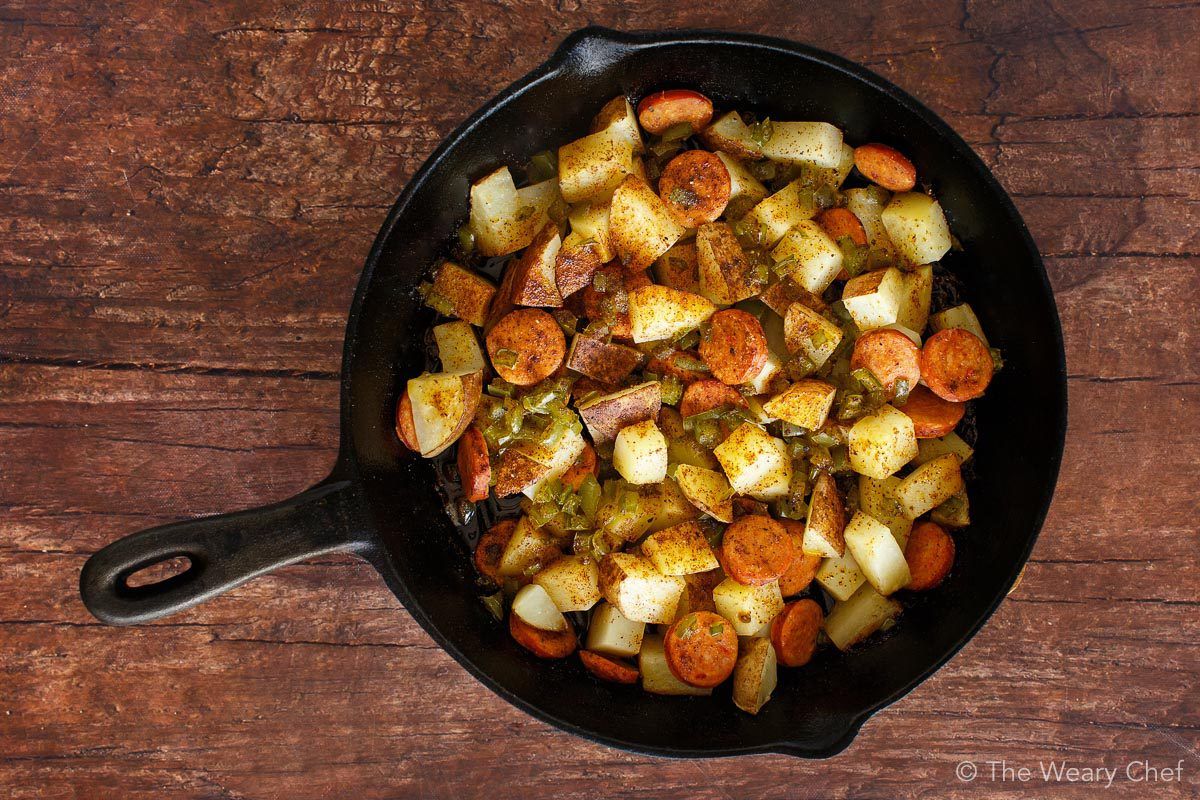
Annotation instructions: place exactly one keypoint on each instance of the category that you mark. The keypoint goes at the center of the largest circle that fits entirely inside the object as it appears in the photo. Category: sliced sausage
(491, 547)
(956, 365)
(695, 187)
(406, 429)
(885, 166)
(701, 648)
(584, 465)
(526, 346)
(608, 669)
(890, 356)
(794, 632)
(930, 555)
(543, 644)
(839, 222)
(756, 550)
(474, 466)
(931, 415)
(804, 566)
(735, 348)
(661, 110)
(612, 306)
(706, 395)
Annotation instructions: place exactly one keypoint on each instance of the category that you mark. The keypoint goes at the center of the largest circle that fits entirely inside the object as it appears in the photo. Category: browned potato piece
(526, 346)
(513, 471)
(469, 293)
(779, 297)
(695, 187)
(826, 519)
(679, 269)
(605, 416)
(575, 266)
(723, 266)
(604, 361)
(730, 134)
(681, 364)
(534, 281)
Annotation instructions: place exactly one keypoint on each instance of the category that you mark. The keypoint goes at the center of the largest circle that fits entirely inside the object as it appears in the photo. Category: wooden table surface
(187, 192)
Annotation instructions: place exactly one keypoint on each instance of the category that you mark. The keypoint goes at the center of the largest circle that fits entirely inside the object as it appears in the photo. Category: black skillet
(380, 501)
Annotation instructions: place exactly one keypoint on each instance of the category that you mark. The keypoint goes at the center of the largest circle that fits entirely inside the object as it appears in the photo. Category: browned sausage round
(890, 356)
(885, 166)
(695, 187)
(794, 632)
(930, 555)
(706, 395)
(608, 669)
(584, 465)
(526, 346)
(804, 566)
(491, 547)
(543, 644)
(474, 465)
(701, 648)
(735, 349)
(956, 365)
(661, 110)
(931, 415)
(756, 550)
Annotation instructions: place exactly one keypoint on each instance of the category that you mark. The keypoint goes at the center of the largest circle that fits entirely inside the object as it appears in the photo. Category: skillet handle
(224, 550)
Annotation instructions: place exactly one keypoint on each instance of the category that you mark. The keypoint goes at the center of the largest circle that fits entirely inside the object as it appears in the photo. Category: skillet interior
(1021, 421)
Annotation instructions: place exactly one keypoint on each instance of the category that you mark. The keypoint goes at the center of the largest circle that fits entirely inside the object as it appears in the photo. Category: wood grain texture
(188, 191)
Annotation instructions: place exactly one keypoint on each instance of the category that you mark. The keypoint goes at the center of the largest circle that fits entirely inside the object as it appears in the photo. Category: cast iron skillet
(380, 502)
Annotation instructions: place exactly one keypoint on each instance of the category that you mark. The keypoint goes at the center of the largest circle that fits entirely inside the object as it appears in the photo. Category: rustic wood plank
(188, 192)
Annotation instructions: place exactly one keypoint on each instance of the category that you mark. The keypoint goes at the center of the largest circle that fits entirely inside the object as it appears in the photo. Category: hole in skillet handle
(157, 573)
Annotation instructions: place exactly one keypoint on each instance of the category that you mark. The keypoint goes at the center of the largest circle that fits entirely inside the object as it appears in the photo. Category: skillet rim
(621, 41)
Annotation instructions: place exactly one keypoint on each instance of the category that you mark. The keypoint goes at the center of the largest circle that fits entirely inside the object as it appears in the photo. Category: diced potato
(836, 175)
(915, 300)
(590, 222)
(805, 403)
(641, 227)
(657, 677)
(930, 485)
(782, 211)
(707, 490)
(929, 449)
(557, 461)
(669, 506)
(756, 674)
(912, 335)
(660, 312)
(815, 143)
(639, 591)
(841, 576)
(527, 547)
(573, 583)
(468, 293)
(458, 348)
(747, 608)
(533, 280)
(679, 268)
(817, 258)
(534, 605)
(606, 415)
(761, 382)
(503, 218)
(857, 617)
(722, 265)
(877, 554)
(954, 513)
(698, 594)
(882, 442)
(659, 506)
(604, 361)
(960, 316)
(878, 498)
(591, 168)
(755, 462)
(682, 447)
(873, 299)
(808, 332)
(730, 134)
(680, 550)
(745, 191)
(443, 405)
(513, 471)
(867, 204)
(640, 453)
(826, 519)
(917, 227)
(617, 117)
(613, 634)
